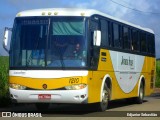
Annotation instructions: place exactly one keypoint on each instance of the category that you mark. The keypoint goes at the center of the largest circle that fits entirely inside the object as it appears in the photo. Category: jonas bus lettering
(126, 61)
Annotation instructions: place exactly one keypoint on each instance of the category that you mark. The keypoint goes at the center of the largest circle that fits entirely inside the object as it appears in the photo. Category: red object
(44, 96)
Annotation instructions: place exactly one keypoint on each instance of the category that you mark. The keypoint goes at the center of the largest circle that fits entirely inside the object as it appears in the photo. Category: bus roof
(74, 12)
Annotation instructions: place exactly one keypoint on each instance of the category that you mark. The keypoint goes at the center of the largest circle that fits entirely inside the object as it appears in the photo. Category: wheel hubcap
(141, 93)
(104, 97)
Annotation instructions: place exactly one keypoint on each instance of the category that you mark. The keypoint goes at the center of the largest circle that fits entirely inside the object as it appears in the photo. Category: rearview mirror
(7, 37)
(97, 38)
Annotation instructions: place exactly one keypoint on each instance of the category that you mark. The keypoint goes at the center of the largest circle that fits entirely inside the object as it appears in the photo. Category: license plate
(44, 96)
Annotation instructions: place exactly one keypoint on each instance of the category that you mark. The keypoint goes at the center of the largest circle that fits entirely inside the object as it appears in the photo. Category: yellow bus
(78, 56)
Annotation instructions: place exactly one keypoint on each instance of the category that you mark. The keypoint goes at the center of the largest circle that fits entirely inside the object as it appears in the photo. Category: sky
(145, 13)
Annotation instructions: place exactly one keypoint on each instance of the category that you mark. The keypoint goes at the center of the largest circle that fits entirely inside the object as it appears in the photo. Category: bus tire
(42, 106)
(140, 97)
(105, 98)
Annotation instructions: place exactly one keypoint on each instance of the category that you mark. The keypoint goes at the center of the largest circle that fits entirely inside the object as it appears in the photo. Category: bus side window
(110, 41)
(131, 38)
(116, 36)
(148, 44)
(126, 38)
(135, 40)
(94, 25)
(151, 44)
(104, 32)
(143, 42)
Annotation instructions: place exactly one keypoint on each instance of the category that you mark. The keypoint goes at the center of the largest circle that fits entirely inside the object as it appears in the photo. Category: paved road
(116, 108)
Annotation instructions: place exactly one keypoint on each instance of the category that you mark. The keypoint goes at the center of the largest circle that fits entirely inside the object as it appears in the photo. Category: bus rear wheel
(105, 98)
(140, 97)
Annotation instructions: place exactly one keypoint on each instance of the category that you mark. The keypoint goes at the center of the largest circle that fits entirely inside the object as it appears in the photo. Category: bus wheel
(105, 98)
(140, 97)
(42, 106)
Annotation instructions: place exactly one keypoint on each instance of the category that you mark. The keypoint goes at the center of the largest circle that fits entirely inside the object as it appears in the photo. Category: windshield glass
(36, 43)
(67, 43)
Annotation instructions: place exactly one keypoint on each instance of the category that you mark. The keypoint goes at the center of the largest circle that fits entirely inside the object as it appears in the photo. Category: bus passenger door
(94, 51)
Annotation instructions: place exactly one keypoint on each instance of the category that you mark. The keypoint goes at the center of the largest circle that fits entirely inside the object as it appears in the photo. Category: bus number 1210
(73, 80)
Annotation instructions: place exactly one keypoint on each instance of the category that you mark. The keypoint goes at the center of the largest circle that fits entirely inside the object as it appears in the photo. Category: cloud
(35, 4)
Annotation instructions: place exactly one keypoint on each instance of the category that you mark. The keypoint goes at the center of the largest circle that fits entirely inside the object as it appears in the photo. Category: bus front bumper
(56, 96)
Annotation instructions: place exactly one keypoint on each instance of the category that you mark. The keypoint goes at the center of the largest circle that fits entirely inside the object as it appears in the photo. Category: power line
(157, 35)
(134, 9)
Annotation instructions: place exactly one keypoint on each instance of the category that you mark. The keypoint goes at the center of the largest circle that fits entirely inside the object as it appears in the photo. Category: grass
(4, 92)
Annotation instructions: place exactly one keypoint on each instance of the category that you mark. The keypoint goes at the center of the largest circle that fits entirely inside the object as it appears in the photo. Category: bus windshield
(49, 42)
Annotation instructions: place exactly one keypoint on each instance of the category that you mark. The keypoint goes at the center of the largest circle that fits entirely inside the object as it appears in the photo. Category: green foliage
(4, 68)
(157, 84)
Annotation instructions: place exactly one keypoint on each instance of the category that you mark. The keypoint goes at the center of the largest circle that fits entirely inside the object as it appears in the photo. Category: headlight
(76, 87)
(18, 87)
